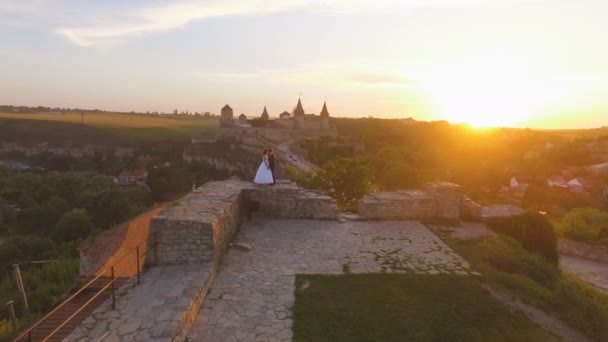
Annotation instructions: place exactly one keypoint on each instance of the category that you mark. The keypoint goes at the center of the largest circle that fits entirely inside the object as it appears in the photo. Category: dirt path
(545, 320)
(592, 272)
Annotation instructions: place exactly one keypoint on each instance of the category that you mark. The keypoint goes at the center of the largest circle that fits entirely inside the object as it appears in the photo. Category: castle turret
(324, 117)
(227, 114)
(265, 115)
(298, 114)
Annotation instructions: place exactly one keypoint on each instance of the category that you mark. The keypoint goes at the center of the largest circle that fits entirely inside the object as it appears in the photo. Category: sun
(488, 91)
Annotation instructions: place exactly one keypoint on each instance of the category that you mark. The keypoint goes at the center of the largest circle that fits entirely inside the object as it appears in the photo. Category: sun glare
(488, 91)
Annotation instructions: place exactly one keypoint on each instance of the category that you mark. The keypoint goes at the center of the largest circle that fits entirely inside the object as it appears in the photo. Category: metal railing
(26, 335)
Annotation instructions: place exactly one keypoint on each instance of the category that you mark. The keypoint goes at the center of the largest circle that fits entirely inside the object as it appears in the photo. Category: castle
(287, 127)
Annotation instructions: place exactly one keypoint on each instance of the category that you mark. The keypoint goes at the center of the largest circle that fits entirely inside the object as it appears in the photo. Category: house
(242, 121)
(285, 116)
(556, 181)
(130, 177)
(515, 183)
(578, 185)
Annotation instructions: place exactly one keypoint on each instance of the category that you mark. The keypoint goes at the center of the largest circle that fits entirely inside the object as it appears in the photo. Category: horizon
(462, 61)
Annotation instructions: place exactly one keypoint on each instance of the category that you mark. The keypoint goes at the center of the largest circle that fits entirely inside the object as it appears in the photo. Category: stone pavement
(156, 310)
(252, 295)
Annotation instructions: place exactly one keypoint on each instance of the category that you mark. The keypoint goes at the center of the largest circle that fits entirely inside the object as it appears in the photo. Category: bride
(264, 175)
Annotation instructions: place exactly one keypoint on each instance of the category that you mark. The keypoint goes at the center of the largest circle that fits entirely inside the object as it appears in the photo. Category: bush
(73, 225)
(584, 224)
(346, 180)
(533, 230)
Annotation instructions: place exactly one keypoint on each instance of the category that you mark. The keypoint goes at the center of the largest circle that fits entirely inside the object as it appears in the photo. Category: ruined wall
(437, 200)
(198, 227)
(287, 201)
(397, 205)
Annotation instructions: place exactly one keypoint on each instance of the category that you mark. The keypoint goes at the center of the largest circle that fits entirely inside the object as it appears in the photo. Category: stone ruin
(193, 234)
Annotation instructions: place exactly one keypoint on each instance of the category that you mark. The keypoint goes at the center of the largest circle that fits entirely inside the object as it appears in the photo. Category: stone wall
(437, 200)
(287, 201)
(198, 227)
(469, 209)
(397, 205)
(447, 199)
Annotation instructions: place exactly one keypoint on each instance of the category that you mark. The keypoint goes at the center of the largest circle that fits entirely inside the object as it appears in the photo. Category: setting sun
(489, 90)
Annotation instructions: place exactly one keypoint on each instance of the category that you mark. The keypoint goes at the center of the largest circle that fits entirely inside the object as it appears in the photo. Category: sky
(521, 63)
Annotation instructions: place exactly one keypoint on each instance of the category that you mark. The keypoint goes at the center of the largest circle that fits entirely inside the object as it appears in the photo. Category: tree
(73, 225)
(533, 230)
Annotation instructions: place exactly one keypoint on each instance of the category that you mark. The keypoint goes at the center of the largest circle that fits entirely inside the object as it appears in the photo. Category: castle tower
(227, 114)
(265, 115)
(298, 114)
(324, 118)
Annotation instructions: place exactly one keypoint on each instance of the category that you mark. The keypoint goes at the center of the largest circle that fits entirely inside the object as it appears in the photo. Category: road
(295, 159)
(593, 272)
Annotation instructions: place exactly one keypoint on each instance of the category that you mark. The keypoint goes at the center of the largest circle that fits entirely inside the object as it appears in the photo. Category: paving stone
(128, 328)
(259, 285)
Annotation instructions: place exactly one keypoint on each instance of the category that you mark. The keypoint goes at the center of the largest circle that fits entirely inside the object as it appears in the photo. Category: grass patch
(503, 261)
(401, 307)
(103, 128)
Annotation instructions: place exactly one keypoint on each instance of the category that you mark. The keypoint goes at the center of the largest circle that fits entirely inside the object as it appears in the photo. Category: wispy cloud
(109, 24)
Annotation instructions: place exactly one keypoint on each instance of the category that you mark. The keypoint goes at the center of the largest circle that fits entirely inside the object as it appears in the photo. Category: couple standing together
(265, 174)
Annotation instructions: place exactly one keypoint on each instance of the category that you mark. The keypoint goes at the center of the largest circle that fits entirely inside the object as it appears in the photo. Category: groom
(272, 164)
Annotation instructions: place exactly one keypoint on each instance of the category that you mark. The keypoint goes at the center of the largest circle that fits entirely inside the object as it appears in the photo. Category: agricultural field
(124, 127)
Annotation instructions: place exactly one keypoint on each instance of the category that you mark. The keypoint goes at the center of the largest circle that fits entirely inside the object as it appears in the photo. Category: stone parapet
(287, 201)
(447, 198)
(469, 209)
(198, 227)
(397, 205)
(437, 200)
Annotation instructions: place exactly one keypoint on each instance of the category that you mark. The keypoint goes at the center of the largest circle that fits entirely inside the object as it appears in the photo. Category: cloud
(102, 26)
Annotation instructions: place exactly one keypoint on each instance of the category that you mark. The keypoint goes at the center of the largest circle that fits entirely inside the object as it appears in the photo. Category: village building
(556, 181)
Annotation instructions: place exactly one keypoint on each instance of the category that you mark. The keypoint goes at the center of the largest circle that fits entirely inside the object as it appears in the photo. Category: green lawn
(391, 307)
(505, 263)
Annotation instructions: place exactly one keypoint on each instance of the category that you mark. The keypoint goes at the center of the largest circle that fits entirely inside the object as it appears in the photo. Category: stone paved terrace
(252, 295)
(153, 311)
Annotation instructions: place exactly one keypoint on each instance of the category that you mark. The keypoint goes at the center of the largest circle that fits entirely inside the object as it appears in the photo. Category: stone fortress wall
(436, 200)
(199, 227)
(193, 234)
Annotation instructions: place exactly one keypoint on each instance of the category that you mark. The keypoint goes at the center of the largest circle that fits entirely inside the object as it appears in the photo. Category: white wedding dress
(264, 175)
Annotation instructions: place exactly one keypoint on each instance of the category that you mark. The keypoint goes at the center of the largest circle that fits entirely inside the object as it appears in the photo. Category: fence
(106, 282)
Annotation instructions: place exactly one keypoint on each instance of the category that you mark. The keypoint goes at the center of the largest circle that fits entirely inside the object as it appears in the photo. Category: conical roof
(299, 109)
(324, 111)
(226, 107)
(265, 113)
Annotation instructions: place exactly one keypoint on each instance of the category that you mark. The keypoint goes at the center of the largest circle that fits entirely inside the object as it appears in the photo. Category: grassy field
(503, 262)
(112, 119)
(391, 307)
(97, 126)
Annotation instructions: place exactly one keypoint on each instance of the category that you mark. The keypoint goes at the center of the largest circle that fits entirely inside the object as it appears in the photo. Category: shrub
(585, 224)
(73, 225)
(533, 230)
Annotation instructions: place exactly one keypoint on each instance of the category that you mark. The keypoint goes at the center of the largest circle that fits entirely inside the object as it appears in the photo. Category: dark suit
(272, 163)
